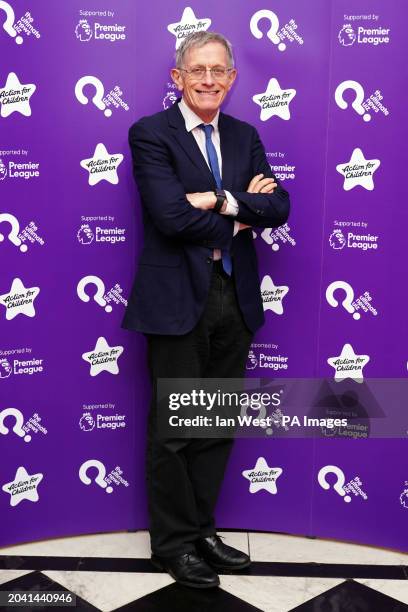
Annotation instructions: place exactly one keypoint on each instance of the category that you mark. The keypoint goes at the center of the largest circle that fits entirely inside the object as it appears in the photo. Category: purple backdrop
(321, 82)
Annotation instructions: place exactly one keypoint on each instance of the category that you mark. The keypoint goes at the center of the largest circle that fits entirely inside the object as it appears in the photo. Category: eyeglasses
(217, 73)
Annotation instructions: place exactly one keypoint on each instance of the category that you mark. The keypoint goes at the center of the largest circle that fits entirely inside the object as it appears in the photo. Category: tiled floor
(112, 571)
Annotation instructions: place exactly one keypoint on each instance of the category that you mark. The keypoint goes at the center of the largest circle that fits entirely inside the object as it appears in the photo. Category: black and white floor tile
(112, 572)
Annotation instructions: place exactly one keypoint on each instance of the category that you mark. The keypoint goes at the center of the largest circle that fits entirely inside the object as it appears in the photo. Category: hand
(204, 200)
(261, 185)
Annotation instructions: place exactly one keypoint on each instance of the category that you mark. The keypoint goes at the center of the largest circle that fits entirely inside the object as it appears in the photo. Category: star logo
(358, 171)
(19, 300)
(187, 25)
(15, 97)
(274, 101)
(23, 486)
(272, 295)
(103, 357)
(348, 364)
(262, 477)
(102, 166)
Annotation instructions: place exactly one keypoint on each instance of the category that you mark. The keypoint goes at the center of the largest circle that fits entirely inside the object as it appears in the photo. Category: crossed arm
(189, 216)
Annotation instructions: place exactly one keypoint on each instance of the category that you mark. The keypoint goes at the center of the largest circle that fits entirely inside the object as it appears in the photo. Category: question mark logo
(266, 235)
(100, 290)
(357, 102)
(8, 25)
(338, 485)
(100, 476)
(97, 99)
(347, 302)
(272, 33)
(13, 234)
(18, 425)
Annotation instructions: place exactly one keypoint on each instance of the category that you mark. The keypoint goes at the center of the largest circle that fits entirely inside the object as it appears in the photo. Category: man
(204, 181)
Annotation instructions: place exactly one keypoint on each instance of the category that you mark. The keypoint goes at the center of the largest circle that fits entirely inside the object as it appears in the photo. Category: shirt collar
(192, 120)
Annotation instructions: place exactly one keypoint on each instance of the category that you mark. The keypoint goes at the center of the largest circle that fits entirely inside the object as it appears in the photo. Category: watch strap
(221, 198)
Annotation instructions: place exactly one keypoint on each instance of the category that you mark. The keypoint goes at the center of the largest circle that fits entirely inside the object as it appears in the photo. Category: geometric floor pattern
(111, 577)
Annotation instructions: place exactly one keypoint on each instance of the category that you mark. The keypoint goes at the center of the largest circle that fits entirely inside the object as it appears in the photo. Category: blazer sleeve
(164, 196)
(262, 209)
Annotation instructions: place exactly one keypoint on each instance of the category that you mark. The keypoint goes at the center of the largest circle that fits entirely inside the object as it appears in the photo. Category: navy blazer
(174, 270)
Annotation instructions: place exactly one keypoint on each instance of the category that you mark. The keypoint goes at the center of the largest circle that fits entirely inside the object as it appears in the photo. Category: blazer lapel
(227, 151)
(187, 140)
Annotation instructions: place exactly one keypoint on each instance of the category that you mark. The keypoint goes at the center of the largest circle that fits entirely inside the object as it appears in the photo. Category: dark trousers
(184, 475)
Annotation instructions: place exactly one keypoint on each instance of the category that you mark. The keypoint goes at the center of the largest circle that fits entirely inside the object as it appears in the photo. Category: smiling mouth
(212, 93)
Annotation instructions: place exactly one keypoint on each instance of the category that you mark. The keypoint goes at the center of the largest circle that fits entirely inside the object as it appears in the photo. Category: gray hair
(199, 39)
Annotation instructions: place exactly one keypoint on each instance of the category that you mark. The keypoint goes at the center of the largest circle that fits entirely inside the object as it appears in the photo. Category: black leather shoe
(188, 569)
(221, 556)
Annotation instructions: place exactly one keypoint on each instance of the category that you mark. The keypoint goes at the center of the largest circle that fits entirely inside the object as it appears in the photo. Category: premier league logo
(3, 171)
(85, 234)
(169, 99)
(252, 361)
(5, 368)
(404, 498)
(87, 422)
(83, 31)
(337, 240)
(347, 36)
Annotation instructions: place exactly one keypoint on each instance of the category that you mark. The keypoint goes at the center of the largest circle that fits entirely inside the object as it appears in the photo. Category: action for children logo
(347, 36)
(110, 32)
(357, 239)
(103, 358)
(19, 300)
(102, 166)
(362, 105)
(351, 304)
(358, 171)
(188, 24)
(278, 35)
(17, 236)
(24, 486)
(97, 234)
(275, 237)
(103, 101)
(102, 421)
(10, 364)
(343, 490)
(15, 97)
(20, 28)
(101, 479)
(348, 364)
(17, 426)
(274, 101)
(272, 295)
(101, 296)
(262, 477)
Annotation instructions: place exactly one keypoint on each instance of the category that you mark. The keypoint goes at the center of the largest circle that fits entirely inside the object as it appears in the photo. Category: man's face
(204, 95)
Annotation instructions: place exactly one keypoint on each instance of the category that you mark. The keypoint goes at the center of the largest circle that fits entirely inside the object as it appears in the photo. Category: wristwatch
(221, 198)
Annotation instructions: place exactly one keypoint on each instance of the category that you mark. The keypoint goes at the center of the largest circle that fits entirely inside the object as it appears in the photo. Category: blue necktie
(215, 169)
